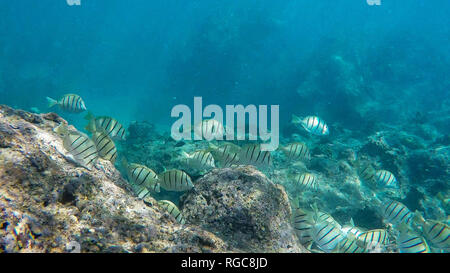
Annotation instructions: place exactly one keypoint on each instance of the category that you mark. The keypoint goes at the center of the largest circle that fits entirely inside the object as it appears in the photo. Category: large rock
(243, 207)
(48, 203)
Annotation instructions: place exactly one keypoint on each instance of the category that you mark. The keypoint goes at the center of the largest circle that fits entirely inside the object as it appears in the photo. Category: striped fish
(350, 229)
(143, 192)
(105, 146)
(296, 151)
(175, 180)
(200, 160)
(82, 148)
(386, 179)
(209, 129)
(366, 173)
(172, 209)
(307, 181)
(409, 242)
(349, 245)
(375, 237)
(327, 236)
(70, 103)
(325, 217)
(143, 179)
(303, 223)
(437, 233)
(251, 154)
(396, 213)
(108, 125)
(227, 154)
(312, 124)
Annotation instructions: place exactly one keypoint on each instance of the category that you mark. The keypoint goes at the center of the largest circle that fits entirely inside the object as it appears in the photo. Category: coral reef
(419, 162)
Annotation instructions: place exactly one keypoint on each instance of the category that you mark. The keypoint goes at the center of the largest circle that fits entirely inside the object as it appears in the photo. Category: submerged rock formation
(242, 205)
(49, 204)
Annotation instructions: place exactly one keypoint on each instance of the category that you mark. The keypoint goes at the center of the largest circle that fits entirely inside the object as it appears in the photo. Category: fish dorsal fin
(124, 162)
(352, 224)
(212, 147)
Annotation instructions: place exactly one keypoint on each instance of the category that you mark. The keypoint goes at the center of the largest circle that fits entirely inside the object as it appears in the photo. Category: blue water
(355, 65)
(133, 59)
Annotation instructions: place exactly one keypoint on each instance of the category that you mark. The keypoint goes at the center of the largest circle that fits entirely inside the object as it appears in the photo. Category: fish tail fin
(124, 163)
(157, 187)
(185, 157)
(418, 217)
(61, 129)
(51, 102)
(184, 154)
(89, 116)
(285, 151)
(296, 202)
(403, 227)
(296, 119)
(315, 212)
(291, 176)
(91, 127)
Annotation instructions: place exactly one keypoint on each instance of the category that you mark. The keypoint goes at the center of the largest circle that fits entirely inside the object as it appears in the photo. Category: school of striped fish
(405, 231)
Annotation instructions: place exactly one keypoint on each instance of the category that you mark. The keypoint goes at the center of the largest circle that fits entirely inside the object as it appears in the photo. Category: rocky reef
(50, 204)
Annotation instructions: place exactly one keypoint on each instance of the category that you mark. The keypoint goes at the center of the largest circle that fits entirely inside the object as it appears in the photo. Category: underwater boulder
(49, 204)
(244, 208)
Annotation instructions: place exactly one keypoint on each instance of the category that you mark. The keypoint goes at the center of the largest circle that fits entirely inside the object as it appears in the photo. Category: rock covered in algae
(48, 203)
(243, 207)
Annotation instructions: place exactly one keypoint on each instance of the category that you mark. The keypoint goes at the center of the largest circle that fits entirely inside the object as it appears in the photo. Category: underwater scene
(210, 126)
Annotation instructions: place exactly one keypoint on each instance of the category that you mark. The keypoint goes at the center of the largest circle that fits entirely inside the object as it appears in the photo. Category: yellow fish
(296, 151)
(175, 180)
(108, 125)
(172, 209)
(200, 160)
(251, 154)
(142, 179)
(307, 181)
(227, 154)
(70, 103)
(105, 146)
(79, 145)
